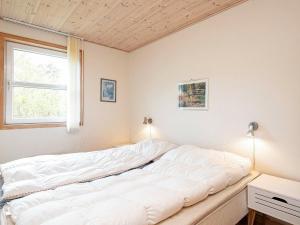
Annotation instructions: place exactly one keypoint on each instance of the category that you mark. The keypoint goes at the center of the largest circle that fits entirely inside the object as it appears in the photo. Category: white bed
(187, 185)
(224, 208)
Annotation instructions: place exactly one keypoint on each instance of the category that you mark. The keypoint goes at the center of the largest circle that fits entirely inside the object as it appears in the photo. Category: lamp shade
(147, 120)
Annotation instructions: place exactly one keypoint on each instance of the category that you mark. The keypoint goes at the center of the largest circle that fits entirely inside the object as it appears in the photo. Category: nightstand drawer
(275, 205)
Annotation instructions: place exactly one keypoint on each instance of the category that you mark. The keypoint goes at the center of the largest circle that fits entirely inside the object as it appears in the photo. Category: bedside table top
(277, 185)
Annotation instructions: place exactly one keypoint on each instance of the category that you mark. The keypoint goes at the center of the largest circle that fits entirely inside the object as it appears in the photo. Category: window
(33, 83)
(36, 89)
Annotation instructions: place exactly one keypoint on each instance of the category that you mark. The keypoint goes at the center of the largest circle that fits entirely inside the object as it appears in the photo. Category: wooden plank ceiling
(122, 24)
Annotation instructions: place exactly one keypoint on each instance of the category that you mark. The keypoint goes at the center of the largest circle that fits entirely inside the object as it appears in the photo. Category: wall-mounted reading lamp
(252, 127)
(148, 121)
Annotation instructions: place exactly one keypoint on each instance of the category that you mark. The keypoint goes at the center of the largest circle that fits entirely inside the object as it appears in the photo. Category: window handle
(9, 84)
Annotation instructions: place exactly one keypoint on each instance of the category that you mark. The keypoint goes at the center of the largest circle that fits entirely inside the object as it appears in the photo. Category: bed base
(229, 213)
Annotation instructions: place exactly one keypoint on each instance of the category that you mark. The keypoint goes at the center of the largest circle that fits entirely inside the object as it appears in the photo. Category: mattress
(193, 214)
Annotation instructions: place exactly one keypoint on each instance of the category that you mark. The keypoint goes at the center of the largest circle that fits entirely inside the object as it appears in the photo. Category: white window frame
(10, 82)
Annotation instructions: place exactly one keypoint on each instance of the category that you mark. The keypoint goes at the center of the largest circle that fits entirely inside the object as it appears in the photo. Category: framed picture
(108, 90)
(193, 94)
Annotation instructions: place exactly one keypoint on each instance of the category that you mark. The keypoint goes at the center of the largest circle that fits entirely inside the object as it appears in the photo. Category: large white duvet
(25, 176)
(182, 177)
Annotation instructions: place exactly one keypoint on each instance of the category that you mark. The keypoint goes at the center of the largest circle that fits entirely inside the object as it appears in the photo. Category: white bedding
(205, 210)
(30, 175)
(180, 178)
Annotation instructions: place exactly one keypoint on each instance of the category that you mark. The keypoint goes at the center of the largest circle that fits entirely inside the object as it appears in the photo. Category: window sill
(31, 125)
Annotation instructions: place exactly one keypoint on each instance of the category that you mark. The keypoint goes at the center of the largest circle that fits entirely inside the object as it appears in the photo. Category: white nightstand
(276, 197)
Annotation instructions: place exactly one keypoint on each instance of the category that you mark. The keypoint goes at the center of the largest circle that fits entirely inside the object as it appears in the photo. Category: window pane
(33, 103)
(39, 68)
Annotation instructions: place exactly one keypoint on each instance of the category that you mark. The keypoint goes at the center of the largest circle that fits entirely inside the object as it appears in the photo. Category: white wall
(251, 56)
(105, 124)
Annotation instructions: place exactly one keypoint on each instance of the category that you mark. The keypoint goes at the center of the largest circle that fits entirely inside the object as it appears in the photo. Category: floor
(263, 220)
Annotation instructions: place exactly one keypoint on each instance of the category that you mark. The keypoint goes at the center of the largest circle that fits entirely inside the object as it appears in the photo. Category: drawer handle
(280, 199)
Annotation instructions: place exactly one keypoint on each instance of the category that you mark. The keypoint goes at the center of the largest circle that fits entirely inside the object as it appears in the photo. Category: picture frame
(193, 94)
(108, 90)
